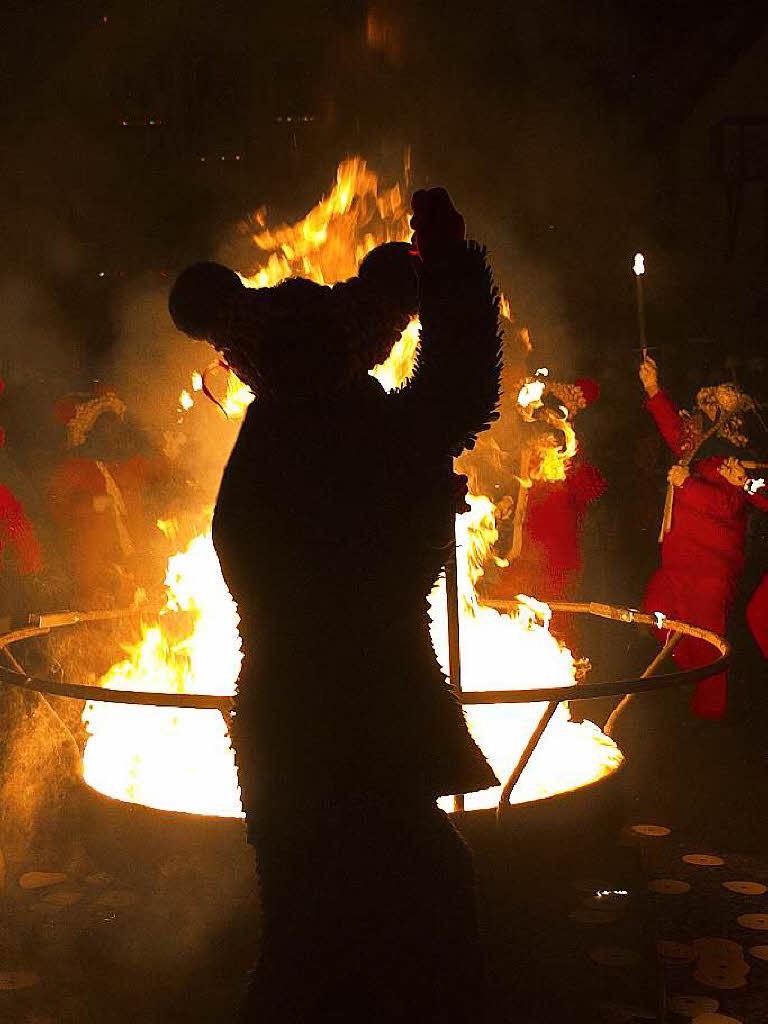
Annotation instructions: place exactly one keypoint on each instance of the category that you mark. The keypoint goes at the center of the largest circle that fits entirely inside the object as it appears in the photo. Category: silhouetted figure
(333, 521)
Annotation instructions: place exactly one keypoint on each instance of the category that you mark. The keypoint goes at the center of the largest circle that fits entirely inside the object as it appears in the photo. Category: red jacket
(554, 514)
(16, 531)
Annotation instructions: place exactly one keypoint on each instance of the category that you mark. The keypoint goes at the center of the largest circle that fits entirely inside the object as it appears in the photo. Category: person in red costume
(549, 563)
(20, 555)
(702, 554)
(99, 497)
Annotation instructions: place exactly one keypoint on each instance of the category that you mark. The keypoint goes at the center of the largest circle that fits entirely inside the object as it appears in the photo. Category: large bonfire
(181, 759)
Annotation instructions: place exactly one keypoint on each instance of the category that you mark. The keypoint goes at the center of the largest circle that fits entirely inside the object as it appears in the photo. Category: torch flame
(639, 264)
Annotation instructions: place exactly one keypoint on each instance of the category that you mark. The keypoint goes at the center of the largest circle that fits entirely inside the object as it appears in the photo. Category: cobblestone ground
(670, 921)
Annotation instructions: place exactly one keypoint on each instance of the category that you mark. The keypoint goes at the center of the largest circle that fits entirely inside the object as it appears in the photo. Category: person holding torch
(704, 525)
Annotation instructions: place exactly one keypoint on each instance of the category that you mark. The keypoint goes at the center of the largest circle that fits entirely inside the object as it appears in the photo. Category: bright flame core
(639, 265)
(182, 759)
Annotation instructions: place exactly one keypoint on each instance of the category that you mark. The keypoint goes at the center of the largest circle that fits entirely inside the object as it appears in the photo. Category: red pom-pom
(589, 389)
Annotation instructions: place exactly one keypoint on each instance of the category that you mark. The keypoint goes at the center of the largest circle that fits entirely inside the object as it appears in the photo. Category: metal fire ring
(41, 625)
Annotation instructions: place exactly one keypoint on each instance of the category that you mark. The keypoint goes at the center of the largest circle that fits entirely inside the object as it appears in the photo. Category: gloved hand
(677, 475)
(733, 471)
(435, 222)
(649, 376)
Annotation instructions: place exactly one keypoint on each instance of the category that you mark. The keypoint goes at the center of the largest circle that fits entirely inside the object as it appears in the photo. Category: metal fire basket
(649, 681)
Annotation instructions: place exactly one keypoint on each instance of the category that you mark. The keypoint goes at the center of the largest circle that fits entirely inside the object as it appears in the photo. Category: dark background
(570, 135)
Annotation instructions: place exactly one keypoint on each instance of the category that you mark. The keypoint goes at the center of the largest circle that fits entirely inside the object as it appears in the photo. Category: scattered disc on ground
(117, 898)
(715, 964)
(651, 830)
(40, 879)
(716, 944)
(100, 879)
(705, 860)
(746, 888)
(721, 979)
(11, 980)
(715, 1018)
(587, 916)
(758, 922)
(669, 886)
(614, 956)
(679, 951)
(761, 952)
(692, 1006)
(62, 897)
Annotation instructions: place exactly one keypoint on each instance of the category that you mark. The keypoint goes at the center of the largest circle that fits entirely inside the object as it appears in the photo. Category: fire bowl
(129, 835)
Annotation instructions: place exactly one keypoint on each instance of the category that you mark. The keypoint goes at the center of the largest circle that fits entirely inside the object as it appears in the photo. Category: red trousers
(702, 601)
(757, 615)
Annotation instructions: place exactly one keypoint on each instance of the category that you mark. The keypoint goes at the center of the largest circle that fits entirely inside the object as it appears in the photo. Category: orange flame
(182, 759)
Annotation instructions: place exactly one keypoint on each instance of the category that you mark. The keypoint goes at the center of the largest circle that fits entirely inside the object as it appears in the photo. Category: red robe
(702, 556)
(550, 562)
(101, 541)
(757, 615)
(16, 532)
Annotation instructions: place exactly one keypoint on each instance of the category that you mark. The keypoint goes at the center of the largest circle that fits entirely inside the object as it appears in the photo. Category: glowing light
(756, 485)
(186, 401)
(639, 265)
(530, 393)
(173, 758)
(660, 619)
(179, 759)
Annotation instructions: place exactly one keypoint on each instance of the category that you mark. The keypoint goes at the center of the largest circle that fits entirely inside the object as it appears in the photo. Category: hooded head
(200, 296)
(299, 337)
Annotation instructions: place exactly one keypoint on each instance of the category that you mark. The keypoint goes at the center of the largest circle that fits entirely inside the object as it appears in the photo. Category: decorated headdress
(79, 413)
(731, 403)
(576, 396)
(300, 337)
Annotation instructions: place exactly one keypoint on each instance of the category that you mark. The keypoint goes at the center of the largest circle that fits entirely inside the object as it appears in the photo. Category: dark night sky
(534, 114)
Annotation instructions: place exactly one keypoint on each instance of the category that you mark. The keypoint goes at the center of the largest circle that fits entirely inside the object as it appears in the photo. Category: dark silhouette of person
(333, 521)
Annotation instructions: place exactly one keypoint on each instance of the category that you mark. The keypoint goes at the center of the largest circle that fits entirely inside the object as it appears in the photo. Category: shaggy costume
(333, 521)
(702, 555)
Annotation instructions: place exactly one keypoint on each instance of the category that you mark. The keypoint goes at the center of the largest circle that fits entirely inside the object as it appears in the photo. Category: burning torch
(639, 269)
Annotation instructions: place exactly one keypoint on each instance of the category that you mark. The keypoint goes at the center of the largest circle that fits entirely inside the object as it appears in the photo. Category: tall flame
(182, 759)
(513, 651)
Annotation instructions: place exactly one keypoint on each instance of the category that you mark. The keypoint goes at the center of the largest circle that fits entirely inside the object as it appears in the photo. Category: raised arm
(661, 407)
(455, 389)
